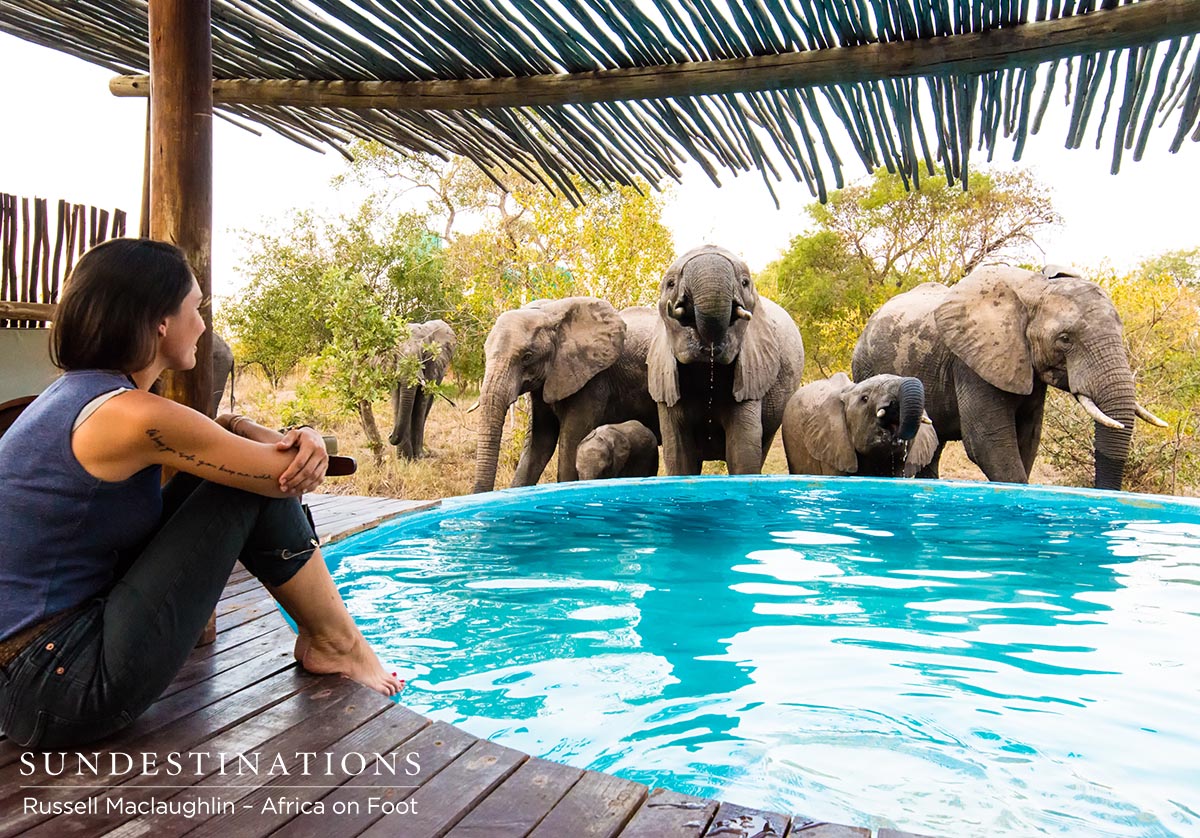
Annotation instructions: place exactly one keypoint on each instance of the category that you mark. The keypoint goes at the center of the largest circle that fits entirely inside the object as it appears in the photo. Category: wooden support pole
(1025, 45)
(181, 162)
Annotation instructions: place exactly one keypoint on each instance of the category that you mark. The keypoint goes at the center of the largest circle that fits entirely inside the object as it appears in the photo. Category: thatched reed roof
(611, 90)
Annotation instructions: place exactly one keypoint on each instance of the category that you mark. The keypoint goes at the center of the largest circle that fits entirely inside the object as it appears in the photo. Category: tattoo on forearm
(155, 436)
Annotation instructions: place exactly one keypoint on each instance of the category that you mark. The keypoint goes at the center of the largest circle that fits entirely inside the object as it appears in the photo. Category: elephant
(583, 364)
(875, 428)
(987, 348)
(627, 449)
(723, 362)
(432, 344)
(222, 370)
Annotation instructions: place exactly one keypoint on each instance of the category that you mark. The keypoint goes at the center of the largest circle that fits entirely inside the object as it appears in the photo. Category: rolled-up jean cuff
(282, 542)
(275, 567)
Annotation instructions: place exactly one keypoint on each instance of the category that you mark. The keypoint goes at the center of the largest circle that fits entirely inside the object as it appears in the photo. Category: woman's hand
(307, 468)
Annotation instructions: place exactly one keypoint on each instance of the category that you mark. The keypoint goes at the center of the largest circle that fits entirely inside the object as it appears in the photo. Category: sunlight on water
(945, 658)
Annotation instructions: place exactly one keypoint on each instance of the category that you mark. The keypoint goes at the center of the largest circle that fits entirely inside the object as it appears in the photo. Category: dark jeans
(95, 672)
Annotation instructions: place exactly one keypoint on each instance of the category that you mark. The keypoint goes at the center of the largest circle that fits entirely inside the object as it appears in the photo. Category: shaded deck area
(326, 757)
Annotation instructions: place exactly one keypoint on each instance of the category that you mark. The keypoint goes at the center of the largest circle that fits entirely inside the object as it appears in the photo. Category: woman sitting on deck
(107, 578)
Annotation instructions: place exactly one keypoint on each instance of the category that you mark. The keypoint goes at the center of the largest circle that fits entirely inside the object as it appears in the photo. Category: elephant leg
(989, 429)
(1029, 426)
(744, 438)
(574, 426)
(539, 445)
(680, 454)
(422, 404)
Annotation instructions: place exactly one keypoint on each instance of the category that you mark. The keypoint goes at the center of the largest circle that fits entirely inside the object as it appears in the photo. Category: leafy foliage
(877, 239)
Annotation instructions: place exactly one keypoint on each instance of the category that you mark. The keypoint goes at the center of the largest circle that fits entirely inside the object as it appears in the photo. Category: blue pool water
(943, 657)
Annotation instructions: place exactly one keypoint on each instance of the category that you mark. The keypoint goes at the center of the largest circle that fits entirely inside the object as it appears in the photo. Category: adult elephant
(874, 428)
(222, 369)
(987, 348)
(584, 365)
(432, 345)
(723, 362)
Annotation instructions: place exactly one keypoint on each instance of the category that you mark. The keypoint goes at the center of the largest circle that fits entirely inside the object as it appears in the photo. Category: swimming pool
(943, 657)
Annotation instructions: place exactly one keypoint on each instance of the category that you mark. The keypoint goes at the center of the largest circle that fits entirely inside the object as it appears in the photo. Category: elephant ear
(590, 337)
(920, 450)
(983, 322)
(662, 368)
(823, 424)
(757, 365)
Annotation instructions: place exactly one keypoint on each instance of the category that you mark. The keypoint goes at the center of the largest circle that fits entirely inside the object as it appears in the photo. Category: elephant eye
(670, 283)
(745, 283)
(1064, 339)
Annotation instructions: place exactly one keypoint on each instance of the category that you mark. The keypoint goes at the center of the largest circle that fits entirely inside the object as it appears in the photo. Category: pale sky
(66, 136)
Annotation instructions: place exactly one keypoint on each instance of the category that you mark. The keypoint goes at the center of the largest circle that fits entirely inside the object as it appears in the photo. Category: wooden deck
(325, 748)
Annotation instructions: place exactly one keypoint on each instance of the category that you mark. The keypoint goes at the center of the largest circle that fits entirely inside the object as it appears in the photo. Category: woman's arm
(136, 429)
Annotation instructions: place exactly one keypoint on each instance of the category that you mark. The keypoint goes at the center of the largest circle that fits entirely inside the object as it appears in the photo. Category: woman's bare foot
(303, 642)
(352, 658)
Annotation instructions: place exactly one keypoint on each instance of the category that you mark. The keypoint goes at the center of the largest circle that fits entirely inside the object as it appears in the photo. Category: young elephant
(872, 429)
(722, 363)
(629, 449)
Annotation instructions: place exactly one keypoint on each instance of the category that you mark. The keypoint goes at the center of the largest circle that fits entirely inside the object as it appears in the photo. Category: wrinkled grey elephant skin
(432, 345)
(627, 449)
(723, 362)
(222, 370)
(583, 364)
(870, 429)
(987, 348)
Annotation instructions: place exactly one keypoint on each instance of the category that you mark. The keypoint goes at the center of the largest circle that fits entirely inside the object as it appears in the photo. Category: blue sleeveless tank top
(61, 530)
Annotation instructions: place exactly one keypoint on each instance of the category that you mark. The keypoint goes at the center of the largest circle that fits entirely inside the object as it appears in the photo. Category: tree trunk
(366, 417)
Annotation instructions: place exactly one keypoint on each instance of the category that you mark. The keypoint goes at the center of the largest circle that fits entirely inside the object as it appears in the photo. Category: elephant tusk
(1096, 413)
(473, 407)
(925, 420)
(879, 414)
(743, 314)
(678, 311)
(1147, 416)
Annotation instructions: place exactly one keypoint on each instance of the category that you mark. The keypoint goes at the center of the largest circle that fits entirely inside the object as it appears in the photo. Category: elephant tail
(912, 407)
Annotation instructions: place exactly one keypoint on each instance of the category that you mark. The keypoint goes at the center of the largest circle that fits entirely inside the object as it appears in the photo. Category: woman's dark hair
(112, 303)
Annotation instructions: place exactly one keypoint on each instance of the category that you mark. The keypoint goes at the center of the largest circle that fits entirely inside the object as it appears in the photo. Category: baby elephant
(625, 450)
(876, 428)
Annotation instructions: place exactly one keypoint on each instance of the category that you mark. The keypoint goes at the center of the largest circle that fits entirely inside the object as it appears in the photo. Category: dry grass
(448, 467)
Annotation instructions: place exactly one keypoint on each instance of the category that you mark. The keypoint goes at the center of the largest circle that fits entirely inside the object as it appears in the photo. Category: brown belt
(15, 644)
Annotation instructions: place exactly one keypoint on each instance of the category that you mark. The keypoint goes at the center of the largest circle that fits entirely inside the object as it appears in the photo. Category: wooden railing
(33, 264)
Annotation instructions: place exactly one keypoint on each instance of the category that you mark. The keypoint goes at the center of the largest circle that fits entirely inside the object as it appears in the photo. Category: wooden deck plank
(256, 733)
(669, 814)
(449, 795)
(236, 635)
(733, 821)
(520, 803)
(198, 669)
(179, 735)
(328, 715)
(384, 734)
(802, 828)
(598, 806)
(436, 746)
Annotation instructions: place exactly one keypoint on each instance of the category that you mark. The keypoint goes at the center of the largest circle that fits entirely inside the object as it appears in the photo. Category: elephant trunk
(713, 308)
(912, 407)
(495, 397)
(402, 429)
(1111, 388)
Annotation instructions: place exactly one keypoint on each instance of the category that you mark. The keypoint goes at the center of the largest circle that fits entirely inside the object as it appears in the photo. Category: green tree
(874, 240)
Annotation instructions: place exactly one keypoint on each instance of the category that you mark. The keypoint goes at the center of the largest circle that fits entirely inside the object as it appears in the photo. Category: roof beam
(1025, 45)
